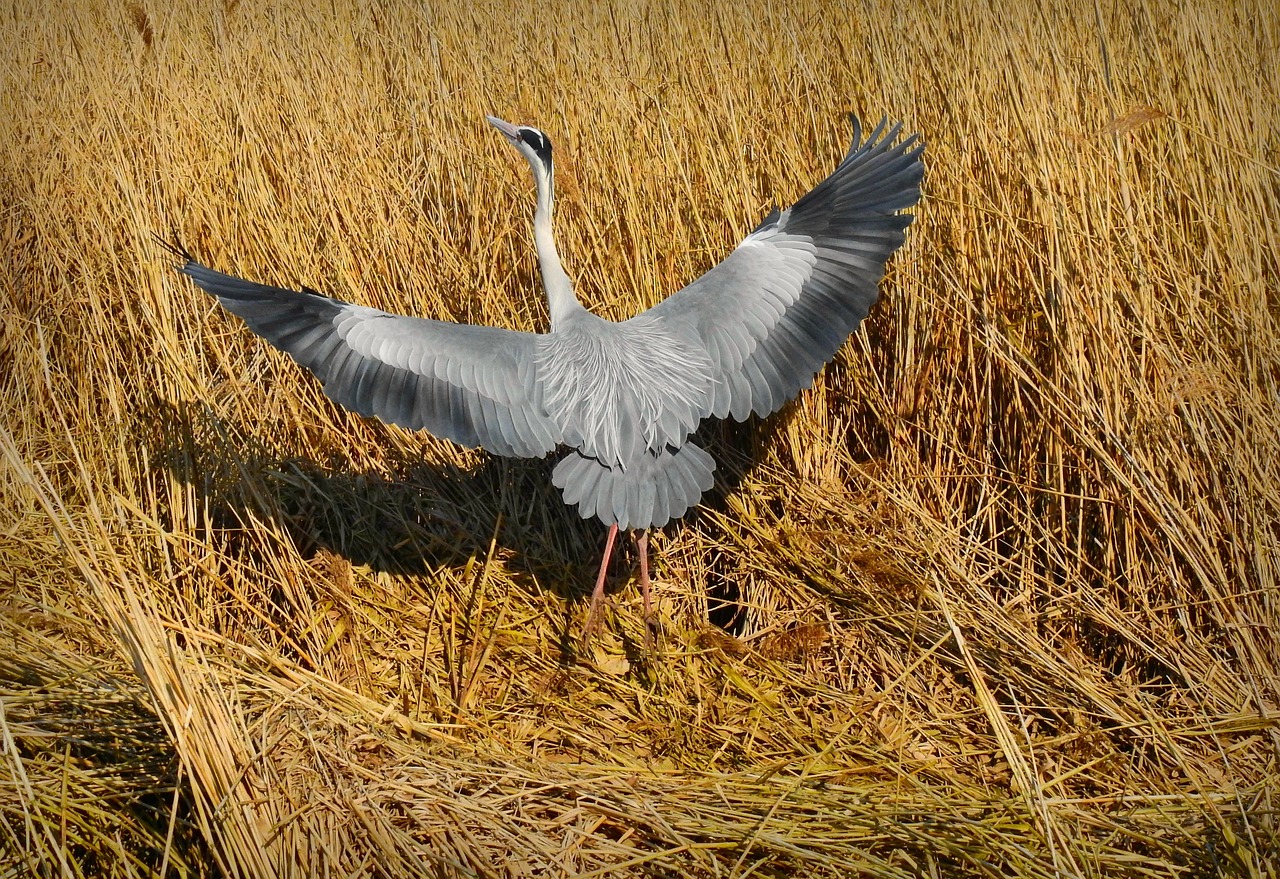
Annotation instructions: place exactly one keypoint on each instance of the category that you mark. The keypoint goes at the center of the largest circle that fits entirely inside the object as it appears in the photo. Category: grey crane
(742, 339)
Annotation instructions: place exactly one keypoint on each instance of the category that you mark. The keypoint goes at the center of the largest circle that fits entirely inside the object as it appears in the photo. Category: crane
(624, 397)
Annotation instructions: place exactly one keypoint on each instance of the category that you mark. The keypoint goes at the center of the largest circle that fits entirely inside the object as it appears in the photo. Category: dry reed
(997, 597)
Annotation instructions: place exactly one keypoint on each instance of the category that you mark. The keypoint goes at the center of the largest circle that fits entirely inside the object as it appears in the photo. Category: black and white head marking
(537, 141)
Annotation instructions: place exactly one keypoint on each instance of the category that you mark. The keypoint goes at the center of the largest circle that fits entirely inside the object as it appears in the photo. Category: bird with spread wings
(624, 397)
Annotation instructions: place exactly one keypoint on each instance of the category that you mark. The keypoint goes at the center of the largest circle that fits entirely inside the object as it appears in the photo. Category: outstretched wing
(473, 385)
(774, 311)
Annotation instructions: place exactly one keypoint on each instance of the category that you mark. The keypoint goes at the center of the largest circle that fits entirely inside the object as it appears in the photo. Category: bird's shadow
(412, 516)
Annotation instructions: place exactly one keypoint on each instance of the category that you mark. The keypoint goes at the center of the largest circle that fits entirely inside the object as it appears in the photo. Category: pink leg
(597, 594)
(642, 547)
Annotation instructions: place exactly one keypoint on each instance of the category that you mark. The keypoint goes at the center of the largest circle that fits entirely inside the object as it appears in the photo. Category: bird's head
(532, 144)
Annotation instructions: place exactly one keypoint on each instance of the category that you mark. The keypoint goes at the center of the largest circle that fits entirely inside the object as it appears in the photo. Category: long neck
(561, 302)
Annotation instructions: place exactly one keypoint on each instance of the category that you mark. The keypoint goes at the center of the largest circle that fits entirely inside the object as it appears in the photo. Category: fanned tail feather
(651, 492)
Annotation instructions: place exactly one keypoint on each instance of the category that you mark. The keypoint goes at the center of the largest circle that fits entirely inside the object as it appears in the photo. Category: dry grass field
(998, 597)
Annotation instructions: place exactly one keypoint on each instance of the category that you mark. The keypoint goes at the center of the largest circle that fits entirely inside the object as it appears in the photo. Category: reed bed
(998, 597)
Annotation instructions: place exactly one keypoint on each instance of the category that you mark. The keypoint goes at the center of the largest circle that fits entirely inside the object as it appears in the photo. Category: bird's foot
(590, 626)
(654, 632)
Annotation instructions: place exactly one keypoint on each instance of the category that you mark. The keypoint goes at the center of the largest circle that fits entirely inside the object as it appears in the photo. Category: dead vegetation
(997, 597)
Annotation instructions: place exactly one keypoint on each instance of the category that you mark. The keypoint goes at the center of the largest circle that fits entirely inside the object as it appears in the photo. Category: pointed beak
(508, 130)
